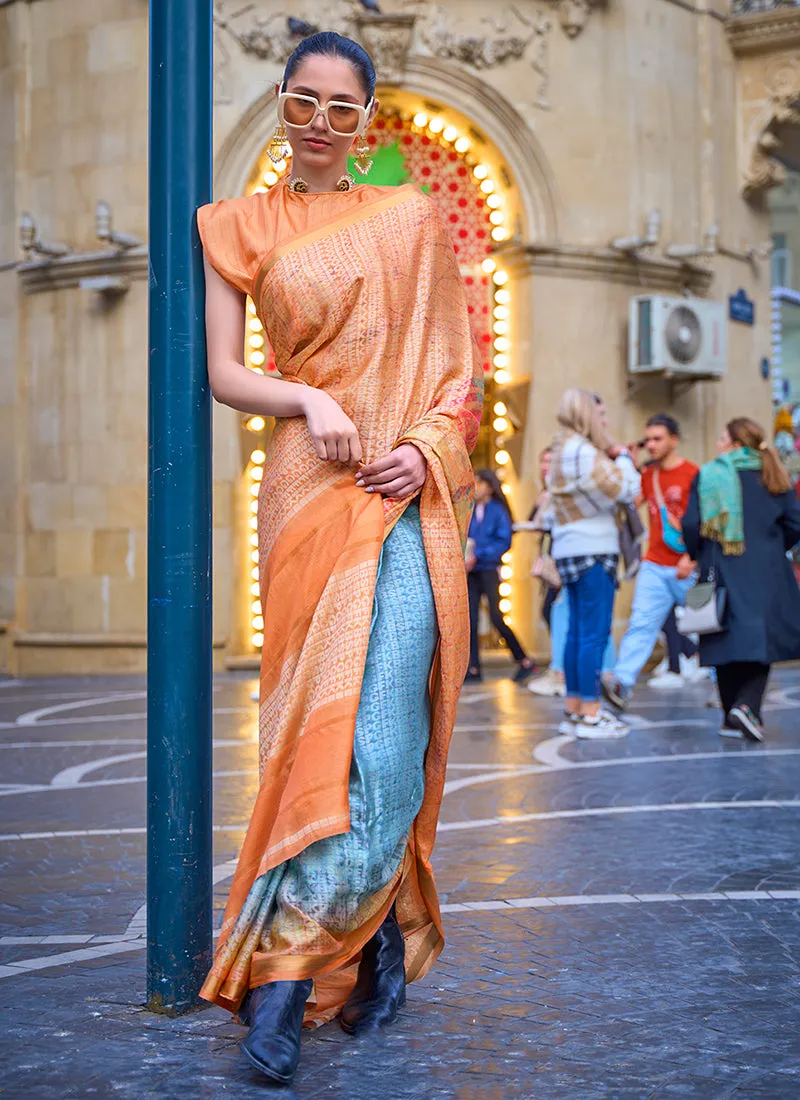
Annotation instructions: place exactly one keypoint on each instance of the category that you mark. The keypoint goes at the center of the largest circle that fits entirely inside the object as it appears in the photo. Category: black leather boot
(380, 988)
(274, 1014)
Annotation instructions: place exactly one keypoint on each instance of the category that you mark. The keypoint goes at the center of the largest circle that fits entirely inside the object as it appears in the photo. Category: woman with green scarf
(741, 522)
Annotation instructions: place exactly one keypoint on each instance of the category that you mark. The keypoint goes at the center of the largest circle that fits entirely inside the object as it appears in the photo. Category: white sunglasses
(345, 119)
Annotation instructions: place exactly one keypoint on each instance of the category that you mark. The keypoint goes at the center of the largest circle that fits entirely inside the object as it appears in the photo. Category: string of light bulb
(255, 473)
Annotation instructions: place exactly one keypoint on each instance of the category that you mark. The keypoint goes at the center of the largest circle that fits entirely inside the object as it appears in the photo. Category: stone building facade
(584, 151)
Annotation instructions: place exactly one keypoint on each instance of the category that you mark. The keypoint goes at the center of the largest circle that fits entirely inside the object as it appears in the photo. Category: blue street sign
(741, 308)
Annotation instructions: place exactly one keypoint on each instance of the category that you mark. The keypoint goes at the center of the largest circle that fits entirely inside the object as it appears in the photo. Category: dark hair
(664, 420)
(494, 483)
(330, 44)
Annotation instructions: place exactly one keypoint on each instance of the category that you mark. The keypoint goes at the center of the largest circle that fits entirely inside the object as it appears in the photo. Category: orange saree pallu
(360, 295)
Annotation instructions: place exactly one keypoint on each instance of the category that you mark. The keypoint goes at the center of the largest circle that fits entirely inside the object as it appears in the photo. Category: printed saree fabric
(360, 295)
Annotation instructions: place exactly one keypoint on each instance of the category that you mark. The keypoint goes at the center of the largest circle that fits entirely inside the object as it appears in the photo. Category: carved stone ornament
(573, 15)
(780, 108)
(511, 36)
(387, 39)
(764, 170)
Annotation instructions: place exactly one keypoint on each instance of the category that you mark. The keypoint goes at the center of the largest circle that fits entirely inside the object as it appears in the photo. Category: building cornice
(764, 31)
(67, 272)
(580, 262)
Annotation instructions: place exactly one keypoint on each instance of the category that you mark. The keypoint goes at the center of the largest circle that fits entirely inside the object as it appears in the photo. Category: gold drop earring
(363, 160)
(277, 147)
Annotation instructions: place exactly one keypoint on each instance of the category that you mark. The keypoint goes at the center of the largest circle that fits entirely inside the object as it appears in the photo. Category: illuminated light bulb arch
(449, 138)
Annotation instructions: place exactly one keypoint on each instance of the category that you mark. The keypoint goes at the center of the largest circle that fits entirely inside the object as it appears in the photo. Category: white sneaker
(691, 670)
(661, 668)
(605, 727)
(568, 724)
(666, 681)
(550, 685)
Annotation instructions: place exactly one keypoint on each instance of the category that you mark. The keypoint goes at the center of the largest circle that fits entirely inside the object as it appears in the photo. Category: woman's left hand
(398, 474)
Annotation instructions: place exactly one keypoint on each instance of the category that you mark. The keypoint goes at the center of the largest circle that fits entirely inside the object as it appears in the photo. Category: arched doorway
(419, 139)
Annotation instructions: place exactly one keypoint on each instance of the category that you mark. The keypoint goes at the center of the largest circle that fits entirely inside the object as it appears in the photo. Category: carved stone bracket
(764, 170)
(387, 39)
(573, 15)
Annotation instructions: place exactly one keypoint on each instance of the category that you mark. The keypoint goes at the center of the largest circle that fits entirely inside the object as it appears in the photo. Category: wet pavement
(622, 918)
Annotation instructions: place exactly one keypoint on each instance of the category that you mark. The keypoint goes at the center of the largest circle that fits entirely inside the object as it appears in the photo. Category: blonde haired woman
(589, 476)
(741, 521)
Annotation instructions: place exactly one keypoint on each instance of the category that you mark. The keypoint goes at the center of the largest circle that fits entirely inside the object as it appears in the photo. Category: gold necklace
(344, 183)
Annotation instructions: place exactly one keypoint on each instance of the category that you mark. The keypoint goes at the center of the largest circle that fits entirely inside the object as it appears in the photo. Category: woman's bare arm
(232, 383)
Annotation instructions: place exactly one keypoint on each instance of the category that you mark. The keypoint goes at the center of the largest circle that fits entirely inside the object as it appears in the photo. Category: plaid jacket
(583, 482)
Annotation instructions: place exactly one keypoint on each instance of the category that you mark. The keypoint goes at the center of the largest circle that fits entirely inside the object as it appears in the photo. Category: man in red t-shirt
(665, 575)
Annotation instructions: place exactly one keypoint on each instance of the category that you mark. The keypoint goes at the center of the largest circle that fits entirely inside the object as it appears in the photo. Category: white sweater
(593, 536)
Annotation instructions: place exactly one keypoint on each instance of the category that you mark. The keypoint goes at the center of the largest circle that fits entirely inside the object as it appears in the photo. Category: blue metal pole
(179, 519)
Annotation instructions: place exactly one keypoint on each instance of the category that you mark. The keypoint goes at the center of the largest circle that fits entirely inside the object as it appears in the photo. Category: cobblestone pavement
(622, 918)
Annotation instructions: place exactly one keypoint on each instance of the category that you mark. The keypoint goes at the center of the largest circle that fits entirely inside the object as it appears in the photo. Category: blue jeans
(591, 606)
(658, 590)
(559, 626)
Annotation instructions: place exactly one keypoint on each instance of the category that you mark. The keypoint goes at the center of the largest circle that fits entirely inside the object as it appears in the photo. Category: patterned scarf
(721, 513)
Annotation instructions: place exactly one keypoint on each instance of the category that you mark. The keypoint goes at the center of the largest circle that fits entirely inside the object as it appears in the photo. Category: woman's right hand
(333, 433)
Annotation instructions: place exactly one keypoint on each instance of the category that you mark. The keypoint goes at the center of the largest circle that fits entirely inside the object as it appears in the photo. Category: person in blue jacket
(489, 539)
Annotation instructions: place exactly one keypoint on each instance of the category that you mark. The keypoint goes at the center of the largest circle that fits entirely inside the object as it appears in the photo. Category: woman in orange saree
(363, 511)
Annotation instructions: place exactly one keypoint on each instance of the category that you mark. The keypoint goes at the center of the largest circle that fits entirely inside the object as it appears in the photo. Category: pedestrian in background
(589, 477)
(490, 534)
(741, 521)
(555, 604)
(665, 574)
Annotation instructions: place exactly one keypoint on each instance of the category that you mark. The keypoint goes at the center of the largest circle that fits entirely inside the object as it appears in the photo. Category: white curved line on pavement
(64, 958)
(32, 717)
(547, 752)
(88, 719)
(71, 777)
(606, 811)
(489, 777)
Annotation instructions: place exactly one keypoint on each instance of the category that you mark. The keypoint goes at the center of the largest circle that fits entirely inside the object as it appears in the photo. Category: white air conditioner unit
(677, 336)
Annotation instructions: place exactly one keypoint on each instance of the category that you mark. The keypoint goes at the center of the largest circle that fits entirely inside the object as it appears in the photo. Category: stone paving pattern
(589, 967)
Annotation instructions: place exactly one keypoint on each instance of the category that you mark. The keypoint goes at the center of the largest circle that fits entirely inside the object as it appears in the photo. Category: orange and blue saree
(366, 634)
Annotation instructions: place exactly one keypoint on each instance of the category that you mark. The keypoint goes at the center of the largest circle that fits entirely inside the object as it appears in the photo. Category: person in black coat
(741, 522)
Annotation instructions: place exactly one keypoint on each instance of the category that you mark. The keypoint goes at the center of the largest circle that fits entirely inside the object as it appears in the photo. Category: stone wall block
(113, 553)
(74, 557)
(127, 504)
(127, 605)
(40, 554)
(49, 506)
